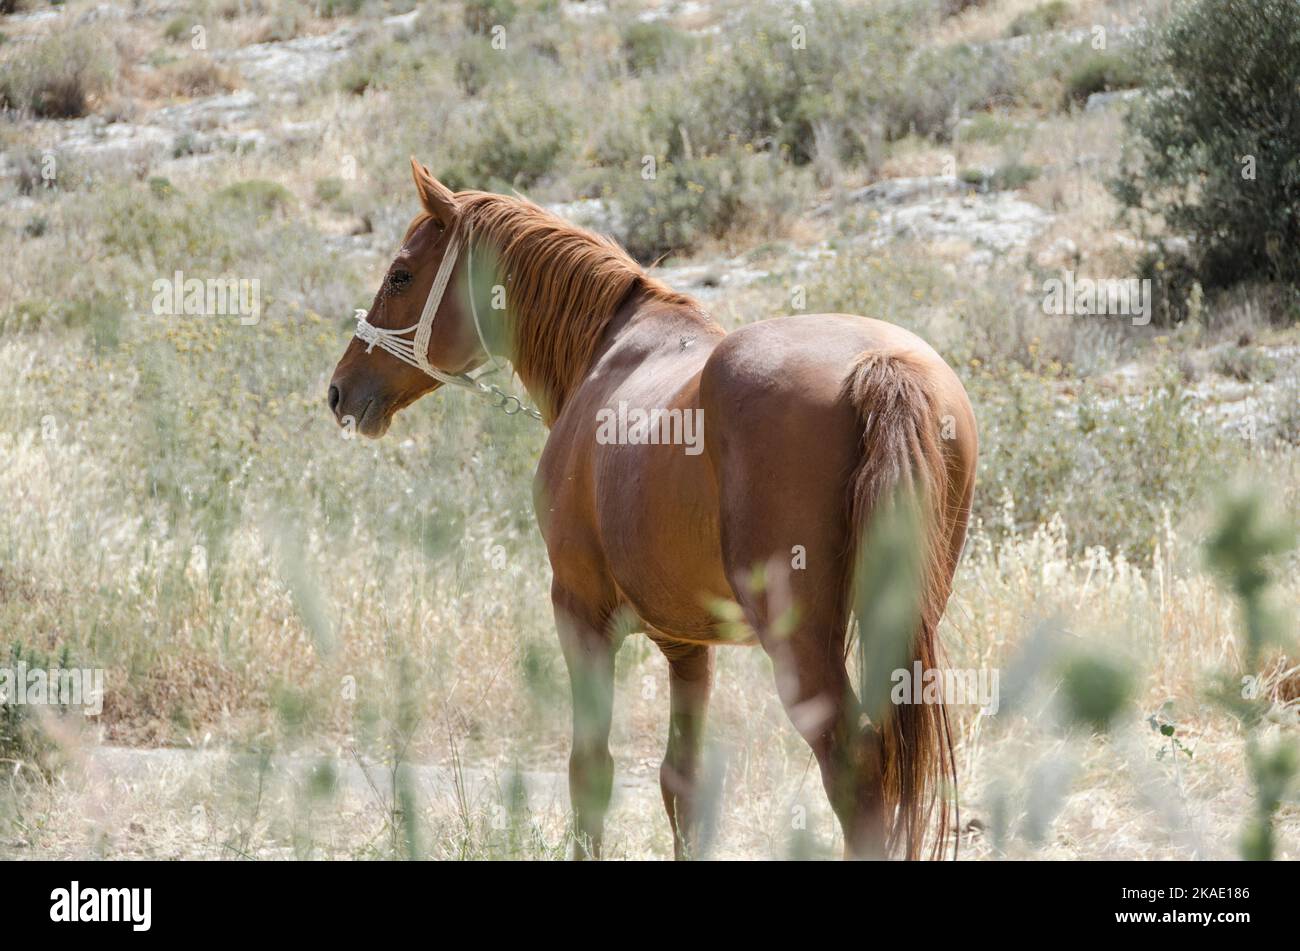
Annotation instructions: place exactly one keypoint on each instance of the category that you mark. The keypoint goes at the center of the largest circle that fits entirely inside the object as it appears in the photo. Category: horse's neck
(638, 328)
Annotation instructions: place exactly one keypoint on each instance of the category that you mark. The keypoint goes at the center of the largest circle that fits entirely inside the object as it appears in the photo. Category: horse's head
(379, 375)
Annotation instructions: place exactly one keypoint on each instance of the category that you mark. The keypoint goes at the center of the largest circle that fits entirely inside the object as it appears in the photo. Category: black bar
(337, 900)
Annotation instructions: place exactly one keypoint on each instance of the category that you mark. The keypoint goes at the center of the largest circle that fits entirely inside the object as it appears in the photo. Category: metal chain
(504, 399)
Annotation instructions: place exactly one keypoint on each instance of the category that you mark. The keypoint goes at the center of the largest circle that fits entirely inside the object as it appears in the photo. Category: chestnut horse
(813, 422)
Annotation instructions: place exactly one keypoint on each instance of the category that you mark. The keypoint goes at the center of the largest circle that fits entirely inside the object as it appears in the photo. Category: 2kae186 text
(1196, 894)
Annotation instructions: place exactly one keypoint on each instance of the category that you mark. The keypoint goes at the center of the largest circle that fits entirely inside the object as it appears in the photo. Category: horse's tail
(902, 464)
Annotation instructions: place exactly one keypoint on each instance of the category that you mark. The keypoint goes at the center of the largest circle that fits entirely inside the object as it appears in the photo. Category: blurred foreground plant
(1241, 549)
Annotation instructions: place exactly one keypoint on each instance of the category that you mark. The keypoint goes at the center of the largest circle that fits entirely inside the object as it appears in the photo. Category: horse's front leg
(690, 678)
(589, 649)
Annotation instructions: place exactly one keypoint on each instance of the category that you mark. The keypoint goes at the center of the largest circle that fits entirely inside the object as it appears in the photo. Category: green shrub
(834, 84)
(22, 739)
(693, 200)
(1012, 175)
(60, 76)
(1044, 17)
(1216, 155)
(478, 64)
(328, 190)
(770, 87)
(482, 15)
(1095, 689)
(1173, 279)
(512, 142)
(96, 313)
(335, 194)
(160, 229)
(31, 167)
(1244, 364)
(1101, 71)
(145, 225)
(895, 285)
(196, 76)
(650, 46)
(177, 28)
(256, 195)
(287, 22)
(380, 63)
(1008, 176)
(1111, 466)
(356, 76)
(160, 186)
(944, 82)
(340, 8)
(987, 127)
(1283, 411)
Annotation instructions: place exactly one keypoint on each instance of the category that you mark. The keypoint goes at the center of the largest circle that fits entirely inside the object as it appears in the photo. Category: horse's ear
(437, 198)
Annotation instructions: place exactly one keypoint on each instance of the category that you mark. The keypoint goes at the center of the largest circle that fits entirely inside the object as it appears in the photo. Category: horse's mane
(563, 284)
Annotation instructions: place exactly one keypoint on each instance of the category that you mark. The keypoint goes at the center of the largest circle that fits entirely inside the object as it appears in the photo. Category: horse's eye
(399, 280)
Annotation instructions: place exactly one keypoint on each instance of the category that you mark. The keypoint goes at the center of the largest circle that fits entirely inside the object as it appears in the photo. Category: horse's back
(807, 357)
(795, 368)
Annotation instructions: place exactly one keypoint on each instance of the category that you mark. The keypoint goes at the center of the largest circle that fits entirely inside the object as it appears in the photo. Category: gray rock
(711, 279)
(402, 21)
(592, 213)
(101, 141)
(210, 112)
(997, 222)
(293, 62)
(898, 191)
(1104, 100)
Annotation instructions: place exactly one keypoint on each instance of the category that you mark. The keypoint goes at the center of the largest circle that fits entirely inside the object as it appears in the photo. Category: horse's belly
(658, 514)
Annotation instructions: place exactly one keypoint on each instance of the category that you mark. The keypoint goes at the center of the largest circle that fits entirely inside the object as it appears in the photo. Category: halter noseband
(415, 351)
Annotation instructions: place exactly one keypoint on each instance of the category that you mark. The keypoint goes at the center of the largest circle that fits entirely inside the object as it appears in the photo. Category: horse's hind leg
(815, 690)
(589, 648)
(793, 523)
(690, 679)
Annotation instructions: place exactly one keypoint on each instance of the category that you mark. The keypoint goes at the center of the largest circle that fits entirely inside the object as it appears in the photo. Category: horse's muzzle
(358, 407)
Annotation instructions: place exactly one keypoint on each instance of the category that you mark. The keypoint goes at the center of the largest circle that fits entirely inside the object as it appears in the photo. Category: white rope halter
(416, 350)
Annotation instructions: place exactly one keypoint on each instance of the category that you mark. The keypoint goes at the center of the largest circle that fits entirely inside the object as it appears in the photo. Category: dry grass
(489, 690)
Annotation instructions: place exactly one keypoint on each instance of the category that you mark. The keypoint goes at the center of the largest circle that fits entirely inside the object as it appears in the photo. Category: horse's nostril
(334, 398)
